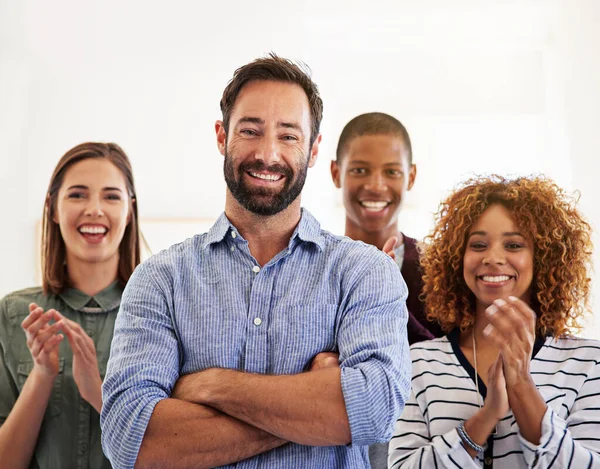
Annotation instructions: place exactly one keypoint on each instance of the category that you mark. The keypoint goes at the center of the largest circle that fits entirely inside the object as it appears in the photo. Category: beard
(263, 200)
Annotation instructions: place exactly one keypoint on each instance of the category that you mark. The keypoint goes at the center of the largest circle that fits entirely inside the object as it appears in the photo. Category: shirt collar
(308, 230)
(218, 231)
(105, 301)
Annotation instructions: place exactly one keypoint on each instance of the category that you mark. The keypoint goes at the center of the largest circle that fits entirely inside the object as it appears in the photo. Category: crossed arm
(221, 416)
(216, 416)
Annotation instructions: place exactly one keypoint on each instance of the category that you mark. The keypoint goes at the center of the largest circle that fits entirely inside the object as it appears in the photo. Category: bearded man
(266, 342)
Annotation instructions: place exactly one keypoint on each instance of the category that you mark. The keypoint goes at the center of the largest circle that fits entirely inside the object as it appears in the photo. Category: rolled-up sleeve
(374, 354)
(143, 365)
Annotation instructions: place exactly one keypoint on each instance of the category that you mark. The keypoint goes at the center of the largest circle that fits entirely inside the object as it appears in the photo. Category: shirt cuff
(553, 429)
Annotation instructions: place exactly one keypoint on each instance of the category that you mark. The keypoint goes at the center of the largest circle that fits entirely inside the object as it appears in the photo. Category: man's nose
(268, 150)
(375, 183)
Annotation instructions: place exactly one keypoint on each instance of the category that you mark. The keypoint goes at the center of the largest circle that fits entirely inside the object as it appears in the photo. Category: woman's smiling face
(93, 210)
(498, 260)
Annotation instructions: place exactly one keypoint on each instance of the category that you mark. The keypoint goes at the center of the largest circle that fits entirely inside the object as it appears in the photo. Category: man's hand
(324, 360)
(389, 246)
(190, 387)
(306, 408)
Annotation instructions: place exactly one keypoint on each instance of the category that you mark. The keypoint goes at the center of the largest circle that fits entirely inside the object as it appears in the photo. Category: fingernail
(499, 302)
(488, 329)
(490, 310)
(513, 298)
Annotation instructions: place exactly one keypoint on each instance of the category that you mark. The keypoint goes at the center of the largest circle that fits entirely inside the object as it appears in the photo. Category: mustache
(257, 166)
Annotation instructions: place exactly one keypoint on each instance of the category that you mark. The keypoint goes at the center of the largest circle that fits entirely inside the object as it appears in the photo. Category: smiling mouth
(374, 205)
(265, 177)
(495, 278)
(93, 234)
(92, 230)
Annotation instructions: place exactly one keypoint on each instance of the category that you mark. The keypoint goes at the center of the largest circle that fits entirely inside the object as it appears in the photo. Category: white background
(511, 87)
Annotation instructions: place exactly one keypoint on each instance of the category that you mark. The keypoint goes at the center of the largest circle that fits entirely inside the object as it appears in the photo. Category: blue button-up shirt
(207, 303)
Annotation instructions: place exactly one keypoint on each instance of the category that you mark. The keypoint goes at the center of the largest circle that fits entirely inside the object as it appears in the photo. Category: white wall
(483, 86)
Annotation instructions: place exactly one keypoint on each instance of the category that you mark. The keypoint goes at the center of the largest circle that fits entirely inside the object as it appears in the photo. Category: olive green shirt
(70, 434)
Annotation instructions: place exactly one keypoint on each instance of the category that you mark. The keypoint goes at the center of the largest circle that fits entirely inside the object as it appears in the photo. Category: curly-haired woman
(506, 277)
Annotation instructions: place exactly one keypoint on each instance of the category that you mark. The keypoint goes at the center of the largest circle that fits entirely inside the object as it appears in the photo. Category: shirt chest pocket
(300, 332)
(24, 368)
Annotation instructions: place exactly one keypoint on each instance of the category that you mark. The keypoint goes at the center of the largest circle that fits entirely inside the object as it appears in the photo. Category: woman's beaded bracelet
(467, 439)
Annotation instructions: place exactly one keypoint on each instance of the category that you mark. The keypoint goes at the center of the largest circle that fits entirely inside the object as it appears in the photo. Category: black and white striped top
(567, 374)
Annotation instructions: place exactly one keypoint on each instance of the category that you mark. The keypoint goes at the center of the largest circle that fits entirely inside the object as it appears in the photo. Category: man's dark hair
(372, 123)
(274, 68)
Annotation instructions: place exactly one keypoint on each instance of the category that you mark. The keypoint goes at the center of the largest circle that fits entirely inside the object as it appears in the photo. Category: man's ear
(221, 137)
(335, 174)
(412, 175)
(314, 151)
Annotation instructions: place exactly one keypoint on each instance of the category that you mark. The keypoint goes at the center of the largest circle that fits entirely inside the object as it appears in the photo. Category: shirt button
(232, 248)
(257, 321)
(90, 333)
(233, 234)
(488, 461)
(256, 269)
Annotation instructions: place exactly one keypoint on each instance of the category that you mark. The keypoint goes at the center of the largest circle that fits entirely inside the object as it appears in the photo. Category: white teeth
(92, 229)
(268, 177)
(495, 278)
(373, 205)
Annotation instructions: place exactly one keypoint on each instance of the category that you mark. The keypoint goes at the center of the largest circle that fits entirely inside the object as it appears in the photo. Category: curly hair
(547, 217)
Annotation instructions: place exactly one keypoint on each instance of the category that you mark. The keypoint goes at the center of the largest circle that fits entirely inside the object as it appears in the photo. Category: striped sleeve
(374, 353)
(142, 369)
(412, 447)
(573, 443)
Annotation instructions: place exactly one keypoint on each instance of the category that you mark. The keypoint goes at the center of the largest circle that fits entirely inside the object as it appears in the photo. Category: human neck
(377, 238)
(92, 277)
(266, 235)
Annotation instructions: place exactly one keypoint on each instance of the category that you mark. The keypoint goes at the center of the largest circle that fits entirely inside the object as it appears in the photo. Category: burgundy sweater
(418, 327)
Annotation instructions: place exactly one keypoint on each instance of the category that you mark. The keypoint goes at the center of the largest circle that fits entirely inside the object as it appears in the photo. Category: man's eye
(357, 171)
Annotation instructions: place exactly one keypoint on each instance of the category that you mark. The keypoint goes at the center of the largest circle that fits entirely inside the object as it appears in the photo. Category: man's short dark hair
(372, 123)
(274, 68)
